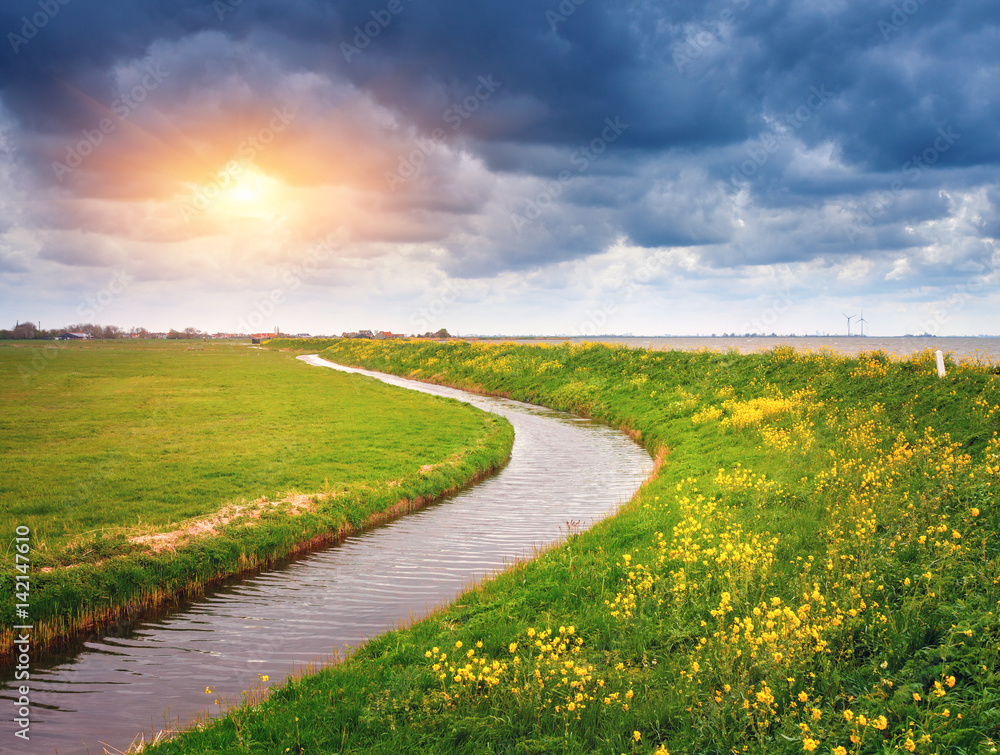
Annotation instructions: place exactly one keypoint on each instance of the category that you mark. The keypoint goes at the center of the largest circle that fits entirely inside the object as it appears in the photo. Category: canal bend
(562, 469)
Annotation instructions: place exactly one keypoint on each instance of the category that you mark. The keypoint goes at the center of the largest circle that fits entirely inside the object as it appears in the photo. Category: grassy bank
(148, 470)
(815, 568)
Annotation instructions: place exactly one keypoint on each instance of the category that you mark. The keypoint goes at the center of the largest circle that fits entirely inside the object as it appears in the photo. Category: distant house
(259, 337)
(75, 337)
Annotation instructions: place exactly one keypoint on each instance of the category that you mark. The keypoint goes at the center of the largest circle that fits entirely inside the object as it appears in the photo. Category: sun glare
(249, 190)
(239, 191)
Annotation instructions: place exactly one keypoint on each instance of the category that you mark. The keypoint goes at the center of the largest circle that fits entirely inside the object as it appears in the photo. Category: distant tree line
(443, 333)
(29, 331)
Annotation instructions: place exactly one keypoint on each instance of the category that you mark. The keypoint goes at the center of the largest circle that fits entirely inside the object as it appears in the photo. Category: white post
(940, 363)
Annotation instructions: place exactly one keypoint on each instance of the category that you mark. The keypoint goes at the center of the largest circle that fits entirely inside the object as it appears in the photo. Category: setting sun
(238, 190)
(249, 186)
(250, 192)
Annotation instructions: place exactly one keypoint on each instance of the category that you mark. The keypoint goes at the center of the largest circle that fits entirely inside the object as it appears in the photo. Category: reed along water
(153, 676)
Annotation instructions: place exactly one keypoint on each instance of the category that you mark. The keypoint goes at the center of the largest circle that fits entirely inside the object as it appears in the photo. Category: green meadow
(815, 567)
(147, 469)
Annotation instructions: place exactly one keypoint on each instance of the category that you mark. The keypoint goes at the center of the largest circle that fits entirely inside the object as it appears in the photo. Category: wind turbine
(849, 318)
(862, 321)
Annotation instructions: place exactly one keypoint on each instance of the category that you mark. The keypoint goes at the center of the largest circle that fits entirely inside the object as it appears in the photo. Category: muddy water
(562, 469)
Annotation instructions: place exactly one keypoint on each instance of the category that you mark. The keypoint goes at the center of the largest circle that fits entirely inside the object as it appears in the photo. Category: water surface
(563, 469)
(962, 348)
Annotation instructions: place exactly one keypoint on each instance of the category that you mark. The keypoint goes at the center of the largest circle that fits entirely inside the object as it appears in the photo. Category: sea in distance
(961, 349)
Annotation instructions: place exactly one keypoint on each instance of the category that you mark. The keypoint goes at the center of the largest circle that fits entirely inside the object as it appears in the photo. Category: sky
(575, 167)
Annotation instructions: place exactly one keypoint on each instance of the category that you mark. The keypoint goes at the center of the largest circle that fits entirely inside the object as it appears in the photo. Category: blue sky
(567, 167)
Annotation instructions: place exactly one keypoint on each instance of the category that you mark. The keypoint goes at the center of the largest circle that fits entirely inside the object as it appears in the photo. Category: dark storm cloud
(697, 83)
(893, 88)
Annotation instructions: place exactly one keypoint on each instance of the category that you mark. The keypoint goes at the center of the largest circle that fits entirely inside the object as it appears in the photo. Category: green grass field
(814, 568)
(102, 443)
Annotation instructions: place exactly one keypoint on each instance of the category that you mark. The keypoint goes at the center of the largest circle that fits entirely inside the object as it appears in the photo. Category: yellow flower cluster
(708, 414)
(549, 675)
(466, 671)
(883, 493)
(799, 436)
(747, 629)
(755, 411)
(740, 480)
(871, 366)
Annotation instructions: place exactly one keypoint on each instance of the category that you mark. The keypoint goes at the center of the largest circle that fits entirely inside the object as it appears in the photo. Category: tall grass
(815, 568)
(146, 471)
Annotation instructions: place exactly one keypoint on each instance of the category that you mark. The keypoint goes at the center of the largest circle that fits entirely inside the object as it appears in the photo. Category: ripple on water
(562, 469)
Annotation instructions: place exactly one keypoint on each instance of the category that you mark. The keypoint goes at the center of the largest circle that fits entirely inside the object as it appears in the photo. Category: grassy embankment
(149, 470)
(814, 568)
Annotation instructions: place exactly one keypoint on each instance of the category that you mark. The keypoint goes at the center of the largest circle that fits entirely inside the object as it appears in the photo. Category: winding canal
(563, 469)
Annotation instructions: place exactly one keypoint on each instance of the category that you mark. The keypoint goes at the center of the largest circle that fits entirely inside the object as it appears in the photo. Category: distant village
(88, 331)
